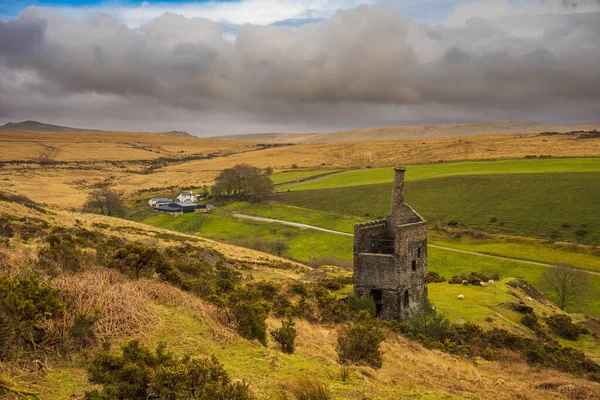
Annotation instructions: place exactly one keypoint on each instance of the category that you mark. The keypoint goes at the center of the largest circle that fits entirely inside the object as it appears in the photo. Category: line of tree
(242, 182)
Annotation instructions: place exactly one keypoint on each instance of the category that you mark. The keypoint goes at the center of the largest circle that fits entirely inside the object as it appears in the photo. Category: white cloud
(258, 12)
(365, 66)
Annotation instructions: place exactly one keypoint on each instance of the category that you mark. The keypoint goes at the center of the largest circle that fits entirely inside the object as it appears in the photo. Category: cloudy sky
(219, 67)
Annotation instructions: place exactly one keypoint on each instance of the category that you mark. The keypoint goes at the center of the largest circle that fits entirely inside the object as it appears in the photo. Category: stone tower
(390, 257)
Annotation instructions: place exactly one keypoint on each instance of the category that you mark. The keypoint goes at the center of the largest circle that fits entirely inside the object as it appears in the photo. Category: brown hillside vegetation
(417, 132)
(109, 146)
(158, 312)
(76, 162)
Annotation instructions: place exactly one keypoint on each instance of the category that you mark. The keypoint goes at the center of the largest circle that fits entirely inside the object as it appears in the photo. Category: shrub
(474, 278)
(279, 246)
(135, 258)
(563, 327)
(299, 288)
(82, 331)
(285, 335)
(250, 313)
(139, 373)
(452, 223)
(359, 340)
(425, 321)
(434, 277)
(358, 304)
(61, 255)
(531, 321)
(25, 302)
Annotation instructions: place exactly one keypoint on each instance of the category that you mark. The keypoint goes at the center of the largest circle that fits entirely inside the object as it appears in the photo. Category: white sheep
(461, 296)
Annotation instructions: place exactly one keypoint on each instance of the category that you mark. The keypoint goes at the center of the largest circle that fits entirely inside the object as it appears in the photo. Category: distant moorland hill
(416, 132)
(35, 126)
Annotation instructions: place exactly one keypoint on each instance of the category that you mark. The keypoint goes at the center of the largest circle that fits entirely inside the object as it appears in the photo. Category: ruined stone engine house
(390, 257)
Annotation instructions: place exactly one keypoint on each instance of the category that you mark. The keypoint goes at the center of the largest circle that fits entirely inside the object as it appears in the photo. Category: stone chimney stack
(397, 193)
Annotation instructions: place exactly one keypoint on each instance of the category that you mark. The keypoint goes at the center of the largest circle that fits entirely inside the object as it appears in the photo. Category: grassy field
(296, 176)
(536, 205)
(304, 243)
(418, 172)
(584, 258)
(284, 212)
(448, 263)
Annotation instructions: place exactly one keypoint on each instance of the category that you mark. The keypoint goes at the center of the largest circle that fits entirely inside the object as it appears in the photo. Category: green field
(420, 172)
(295, 176)
(561, 206)
(535, 251)
(448, 263)
(284, 212)
(304, 243)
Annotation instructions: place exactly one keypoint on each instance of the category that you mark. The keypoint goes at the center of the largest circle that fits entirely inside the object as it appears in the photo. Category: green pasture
(419, 172)
(479, 302)
(221, 225)
(448, 264)
(296, 176)
(284, 212)
(533, 251)
(559, 206)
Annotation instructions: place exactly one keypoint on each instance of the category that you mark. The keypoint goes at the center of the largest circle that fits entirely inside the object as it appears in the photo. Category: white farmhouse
(186, 198)
(158, 200)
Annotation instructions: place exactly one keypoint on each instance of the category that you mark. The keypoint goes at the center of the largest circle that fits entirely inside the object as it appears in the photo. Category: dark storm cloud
(365, 66)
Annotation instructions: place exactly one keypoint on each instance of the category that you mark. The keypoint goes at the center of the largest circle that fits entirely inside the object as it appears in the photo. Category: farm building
(390, 257)
(175, 208)
(186, 198)
(158, 200)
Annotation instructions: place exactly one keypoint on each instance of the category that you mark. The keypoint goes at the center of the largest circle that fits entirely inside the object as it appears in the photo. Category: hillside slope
(417, 132)
(35, 126)
(154, 311)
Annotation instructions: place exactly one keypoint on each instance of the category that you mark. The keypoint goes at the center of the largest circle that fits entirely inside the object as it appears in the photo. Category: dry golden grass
(94, 158)
(416, 132)
(122, 307)
(156, 311)
(95, 146)
(251, 259)
(411, 371)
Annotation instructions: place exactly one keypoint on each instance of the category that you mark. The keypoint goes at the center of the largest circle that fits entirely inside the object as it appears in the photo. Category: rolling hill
(35, 126)
(416, 132)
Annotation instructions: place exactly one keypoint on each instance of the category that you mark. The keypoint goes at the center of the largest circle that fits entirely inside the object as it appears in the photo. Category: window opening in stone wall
(377, 296)
(414, 265)
(406, 299)
(419, 252)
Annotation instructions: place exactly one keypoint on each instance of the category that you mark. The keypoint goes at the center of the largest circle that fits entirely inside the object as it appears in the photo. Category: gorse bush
(250, 312)
(135, 259)
(562, 326)
(82, 331)
(531, 321)
(359, 340)
(25, 302)
(358, 304)
(286, 335)
(61, 255)
(139, 373)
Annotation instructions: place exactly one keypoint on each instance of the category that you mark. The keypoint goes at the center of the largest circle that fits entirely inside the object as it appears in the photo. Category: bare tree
(47, 155)
(566, 285)
(104, 201)
(243, 182)
(279, 246)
